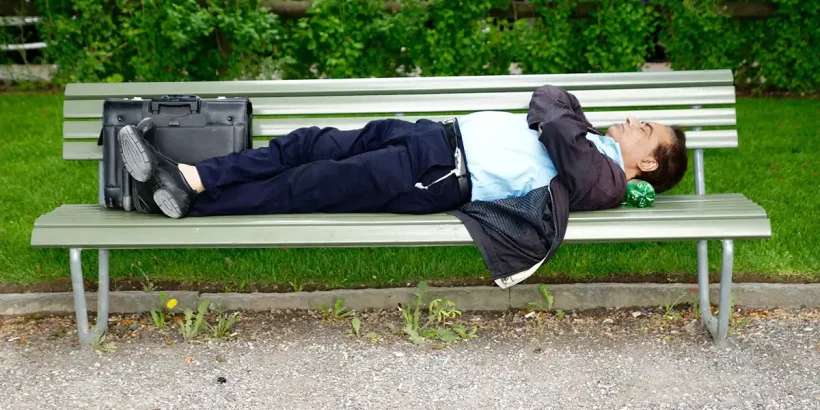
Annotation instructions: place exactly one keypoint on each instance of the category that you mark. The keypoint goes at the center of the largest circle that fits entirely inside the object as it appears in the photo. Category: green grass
(776, 166)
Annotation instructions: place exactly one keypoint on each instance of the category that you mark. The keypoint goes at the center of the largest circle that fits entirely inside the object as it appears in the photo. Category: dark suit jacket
(517, 235)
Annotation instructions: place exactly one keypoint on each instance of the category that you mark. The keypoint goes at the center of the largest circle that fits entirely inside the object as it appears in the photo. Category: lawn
(776, 166)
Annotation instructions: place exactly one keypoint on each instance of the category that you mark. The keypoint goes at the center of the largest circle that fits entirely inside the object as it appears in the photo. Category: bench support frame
(88, 335)
(718, 327)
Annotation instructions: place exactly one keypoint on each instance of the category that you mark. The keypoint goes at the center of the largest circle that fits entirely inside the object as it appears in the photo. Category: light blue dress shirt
(505, 158)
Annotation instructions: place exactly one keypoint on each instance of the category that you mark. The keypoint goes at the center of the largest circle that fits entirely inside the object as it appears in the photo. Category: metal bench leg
(81, 313)
(719, 327)
(79, 295)
(102, 293)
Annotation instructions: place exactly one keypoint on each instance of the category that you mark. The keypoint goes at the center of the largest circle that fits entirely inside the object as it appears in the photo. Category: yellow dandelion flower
(172, 303)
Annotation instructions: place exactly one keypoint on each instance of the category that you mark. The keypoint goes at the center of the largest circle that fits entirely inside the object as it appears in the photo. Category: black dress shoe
(173, 195)
(144, 163)
(143, 192)
(146, 129)
(138, 155)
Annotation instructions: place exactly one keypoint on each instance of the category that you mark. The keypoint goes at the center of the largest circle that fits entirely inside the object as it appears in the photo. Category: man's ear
(648, 164)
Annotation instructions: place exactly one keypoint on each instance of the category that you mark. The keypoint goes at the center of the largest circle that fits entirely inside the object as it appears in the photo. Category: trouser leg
(303, 146)
(375, 181)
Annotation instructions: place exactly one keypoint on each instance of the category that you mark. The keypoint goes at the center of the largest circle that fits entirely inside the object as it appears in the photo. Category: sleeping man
(511, 178)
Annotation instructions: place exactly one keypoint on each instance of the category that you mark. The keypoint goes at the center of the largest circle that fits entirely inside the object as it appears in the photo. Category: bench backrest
(700, 101)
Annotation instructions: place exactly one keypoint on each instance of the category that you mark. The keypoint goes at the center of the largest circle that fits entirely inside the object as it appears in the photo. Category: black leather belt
(463, 174)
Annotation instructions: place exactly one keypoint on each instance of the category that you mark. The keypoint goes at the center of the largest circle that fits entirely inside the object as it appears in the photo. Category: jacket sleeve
(593, 180)
(542, 103)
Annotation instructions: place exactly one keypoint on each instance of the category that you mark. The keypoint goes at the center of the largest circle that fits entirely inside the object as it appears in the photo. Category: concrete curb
(63, 302)
(619, 295)
(567, 297)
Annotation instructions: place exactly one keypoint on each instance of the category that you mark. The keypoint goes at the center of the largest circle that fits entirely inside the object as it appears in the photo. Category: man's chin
(612, 132)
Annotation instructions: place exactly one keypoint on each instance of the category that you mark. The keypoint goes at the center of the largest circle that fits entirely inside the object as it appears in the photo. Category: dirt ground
(605, 359)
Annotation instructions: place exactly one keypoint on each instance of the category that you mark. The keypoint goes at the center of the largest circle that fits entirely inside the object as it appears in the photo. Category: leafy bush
(782, 51)
(157, 40)
(342, 39)
(184, 40)
(777, 52)
(619, 36)
(455, 38)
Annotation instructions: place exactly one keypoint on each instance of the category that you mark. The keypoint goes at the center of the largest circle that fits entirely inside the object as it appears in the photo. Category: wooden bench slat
(404, 85)
(431, 103)
(91, 226)
(82, 150)
(91, 218)
(711, 139)
(676, 207)
(686, 206)
(89, 150)
(331, 236)
(268, 127)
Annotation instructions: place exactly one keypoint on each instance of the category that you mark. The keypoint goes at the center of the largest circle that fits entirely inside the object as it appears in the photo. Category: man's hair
(672, 163)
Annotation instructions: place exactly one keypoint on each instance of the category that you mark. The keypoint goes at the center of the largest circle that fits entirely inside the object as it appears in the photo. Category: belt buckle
(459, 163)
(459, 158)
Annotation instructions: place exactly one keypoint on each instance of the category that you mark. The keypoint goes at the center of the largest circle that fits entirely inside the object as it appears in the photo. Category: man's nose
(631, 121)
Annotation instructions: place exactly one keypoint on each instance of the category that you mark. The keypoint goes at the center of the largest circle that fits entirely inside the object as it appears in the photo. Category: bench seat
(672, 218)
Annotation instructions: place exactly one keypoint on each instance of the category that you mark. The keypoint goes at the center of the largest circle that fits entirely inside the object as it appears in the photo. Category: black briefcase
(189, 129)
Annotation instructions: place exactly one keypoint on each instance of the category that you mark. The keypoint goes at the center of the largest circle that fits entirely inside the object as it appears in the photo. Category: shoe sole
(167, 203)
(135, 155)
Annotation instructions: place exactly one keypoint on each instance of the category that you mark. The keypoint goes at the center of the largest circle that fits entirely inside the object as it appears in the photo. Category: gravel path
(604, 360)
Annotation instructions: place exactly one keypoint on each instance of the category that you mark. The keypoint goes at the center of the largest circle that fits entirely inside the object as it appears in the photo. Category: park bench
(693, 99)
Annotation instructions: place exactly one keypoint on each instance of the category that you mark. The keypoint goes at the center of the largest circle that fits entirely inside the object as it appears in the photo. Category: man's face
(638, 140)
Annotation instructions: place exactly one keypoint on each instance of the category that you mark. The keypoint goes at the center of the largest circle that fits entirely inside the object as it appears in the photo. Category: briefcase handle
(191, 101)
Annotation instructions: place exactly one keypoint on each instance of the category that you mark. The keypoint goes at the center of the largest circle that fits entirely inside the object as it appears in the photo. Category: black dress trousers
(386, 166)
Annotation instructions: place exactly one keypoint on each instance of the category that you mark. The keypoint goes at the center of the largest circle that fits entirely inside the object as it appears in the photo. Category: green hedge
(183, 40)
